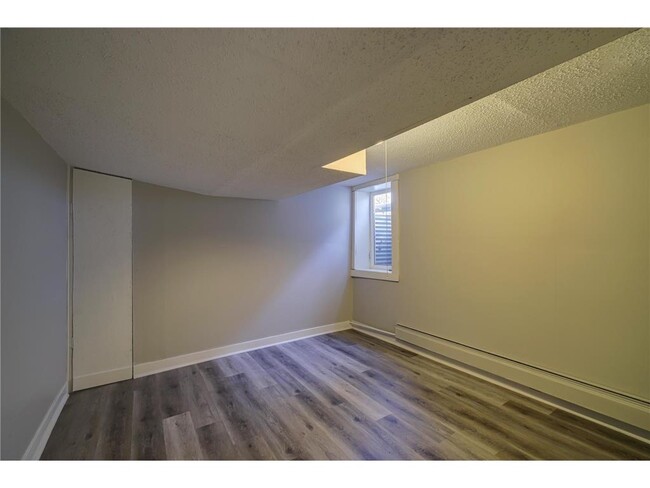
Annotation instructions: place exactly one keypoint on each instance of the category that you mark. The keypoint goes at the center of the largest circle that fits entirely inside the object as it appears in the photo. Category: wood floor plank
(147, 442)
(466, 421)
(357, 339)
(76, 432)
(257, 376)
(371, 359)
(490, 432)
(323, 343)
(393, 445)
(460, 447)
(196, 397)
(310, 382)
(285, 382)
(273, 428)
(606, 437)
(427, 447)
(415, 413)
(317, 441)
(379, 384)
(512, 454)
(511, 424)
(243, 428)
(445, 377)
(337, 396)
(228, 366)
(216, 444)
(114, 442)
(172, 401)
(345, 390)
(181, 442)
(555, 431)
(364, 445)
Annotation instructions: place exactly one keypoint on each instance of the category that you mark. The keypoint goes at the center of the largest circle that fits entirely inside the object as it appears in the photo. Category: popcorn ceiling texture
(257, 112)
(608, 79)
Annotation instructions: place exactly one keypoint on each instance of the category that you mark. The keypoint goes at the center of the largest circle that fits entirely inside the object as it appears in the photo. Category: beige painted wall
(537, 250)
(210, 272)
(34, 280)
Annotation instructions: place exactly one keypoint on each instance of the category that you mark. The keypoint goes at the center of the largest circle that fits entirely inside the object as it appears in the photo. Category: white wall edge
(101, 378)
(145, 369)
(463, 363)
(42, 434)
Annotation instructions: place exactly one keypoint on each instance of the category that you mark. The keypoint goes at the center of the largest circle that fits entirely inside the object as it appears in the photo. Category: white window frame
(362, 236)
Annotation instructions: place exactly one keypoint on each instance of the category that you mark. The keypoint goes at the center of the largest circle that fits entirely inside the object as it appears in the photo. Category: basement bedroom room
(367, 243)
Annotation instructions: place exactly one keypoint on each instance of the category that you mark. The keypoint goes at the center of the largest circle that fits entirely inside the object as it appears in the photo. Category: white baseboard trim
(370, 330)
(523, 387)
(159, 366)
(42, 434)
(101, 378)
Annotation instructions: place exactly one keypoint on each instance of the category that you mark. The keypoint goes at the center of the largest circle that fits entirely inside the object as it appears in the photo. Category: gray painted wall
(536, 250)
(211, 272)
(34, 280)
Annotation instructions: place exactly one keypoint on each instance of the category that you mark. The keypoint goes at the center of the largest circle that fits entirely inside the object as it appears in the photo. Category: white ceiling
(608, 79)
(257, 112)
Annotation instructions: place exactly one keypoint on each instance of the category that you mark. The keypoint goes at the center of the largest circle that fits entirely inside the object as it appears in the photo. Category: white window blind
(382, 235)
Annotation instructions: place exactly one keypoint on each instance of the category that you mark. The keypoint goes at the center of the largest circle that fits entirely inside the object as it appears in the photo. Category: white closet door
(102, 327)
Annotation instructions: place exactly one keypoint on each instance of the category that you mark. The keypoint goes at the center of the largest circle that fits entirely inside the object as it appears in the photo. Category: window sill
(375, 274)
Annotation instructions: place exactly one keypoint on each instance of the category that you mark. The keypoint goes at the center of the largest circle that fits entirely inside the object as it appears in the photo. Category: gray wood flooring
(338, 396)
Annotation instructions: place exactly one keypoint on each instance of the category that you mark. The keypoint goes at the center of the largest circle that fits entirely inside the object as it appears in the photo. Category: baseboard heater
(628, 410)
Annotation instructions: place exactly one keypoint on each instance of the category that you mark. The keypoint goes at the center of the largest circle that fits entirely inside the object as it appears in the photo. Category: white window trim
(381, 274)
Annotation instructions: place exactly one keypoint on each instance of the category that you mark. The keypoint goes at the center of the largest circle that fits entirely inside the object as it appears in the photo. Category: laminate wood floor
(338, 396)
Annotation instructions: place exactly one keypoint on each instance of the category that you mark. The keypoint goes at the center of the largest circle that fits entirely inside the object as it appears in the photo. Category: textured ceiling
(611, 78)
(257, 112)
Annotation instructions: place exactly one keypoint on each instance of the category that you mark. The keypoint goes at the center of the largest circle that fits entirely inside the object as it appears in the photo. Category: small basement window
(375, 230)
